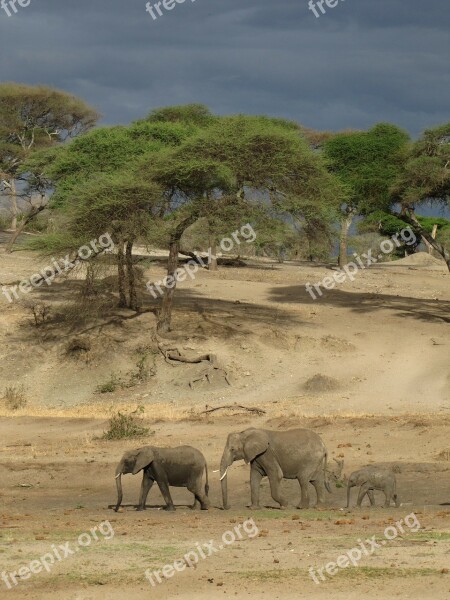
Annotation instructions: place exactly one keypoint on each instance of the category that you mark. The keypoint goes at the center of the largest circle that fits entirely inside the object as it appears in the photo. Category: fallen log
(258, 411)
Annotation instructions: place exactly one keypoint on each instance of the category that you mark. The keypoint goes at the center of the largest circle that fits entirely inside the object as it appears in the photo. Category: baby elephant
(373, 478)
(182, 466)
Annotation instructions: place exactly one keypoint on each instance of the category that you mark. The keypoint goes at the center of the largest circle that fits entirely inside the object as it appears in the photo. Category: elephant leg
(304, 500)
(319, 486)
(146, 486)
(201, 501)
(388, 496)
(371, 496)
(163, 484)
(255, 482)
(270, 467)
(363, 490)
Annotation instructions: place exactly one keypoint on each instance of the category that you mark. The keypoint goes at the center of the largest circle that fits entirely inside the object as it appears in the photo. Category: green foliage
(58, 243)
(252, 169)
(188, 114)
(389, 225)
(368, 163)
(258, 152)
(108, 150)
(119, 203)
(275, 239)
(36, 117)
(125, 426)
(428, 223)
(383, 222)
(426, 175)
(110, 386)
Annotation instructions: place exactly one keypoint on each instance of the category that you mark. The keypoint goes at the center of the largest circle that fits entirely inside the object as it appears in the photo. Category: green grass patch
(430, 535)
(348, 573)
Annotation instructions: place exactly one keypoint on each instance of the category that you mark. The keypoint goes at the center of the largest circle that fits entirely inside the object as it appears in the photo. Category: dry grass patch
(14, 397)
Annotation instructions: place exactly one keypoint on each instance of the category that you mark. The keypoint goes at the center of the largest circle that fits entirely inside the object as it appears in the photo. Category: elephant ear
(144, 456)
(255, 444)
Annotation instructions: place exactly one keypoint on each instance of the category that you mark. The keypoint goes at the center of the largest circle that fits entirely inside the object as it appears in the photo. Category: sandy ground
(381, 341)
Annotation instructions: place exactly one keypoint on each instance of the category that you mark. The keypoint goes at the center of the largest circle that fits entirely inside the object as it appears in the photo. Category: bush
(14, 397)
(123, 425)
(109, 386)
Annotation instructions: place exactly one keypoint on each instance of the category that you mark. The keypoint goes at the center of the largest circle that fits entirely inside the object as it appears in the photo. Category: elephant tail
(207, 481)
(325, 473)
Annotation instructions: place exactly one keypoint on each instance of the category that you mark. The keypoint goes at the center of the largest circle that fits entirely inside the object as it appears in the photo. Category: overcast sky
(362, 62)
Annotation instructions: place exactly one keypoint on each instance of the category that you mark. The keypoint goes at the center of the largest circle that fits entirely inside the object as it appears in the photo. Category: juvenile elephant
(294, 454)
(182, 466)
(373, 478)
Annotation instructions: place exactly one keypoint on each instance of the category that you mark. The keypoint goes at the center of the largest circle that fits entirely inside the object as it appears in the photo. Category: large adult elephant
(294, 454)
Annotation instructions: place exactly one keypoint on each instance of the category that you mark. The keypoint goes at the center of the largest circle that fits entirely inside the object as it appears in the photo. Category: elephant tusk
(224, 475)
(117, 475)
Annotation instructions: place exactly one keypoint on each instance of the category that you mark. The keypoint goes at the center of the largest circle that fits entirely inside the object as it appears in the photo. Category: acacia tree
(124, 206)
(235, 161)
(33, 118)
(97, 188)
(195, 166)
(425, 178)
(189, 188)
(367, 163)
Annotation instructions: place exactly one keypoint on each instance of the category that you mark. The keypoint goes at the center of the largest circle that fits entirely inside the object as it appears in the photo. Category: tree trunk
(121, 275)
(133, 304)
(14, 208)
(212, 259)
(88, 289)
(22, 226)
(433, 235)
(165, 313)
(409, 217)
(343, 239)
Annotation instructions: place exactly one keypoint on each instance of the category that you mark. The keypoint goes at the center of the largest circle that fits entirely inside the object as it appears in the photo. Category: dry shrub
(444, 454)
(83, 310)
(14, 397)
(41, 312)
(78, 345)
(321, 383)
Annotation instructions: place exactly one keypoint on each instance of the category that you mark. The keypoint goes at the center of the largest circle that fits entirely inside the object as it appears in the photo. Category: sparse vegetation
(78, 346)
(141, 375)
(109, 386)
(321, 383)
(123, 426)
(14, 397)
(40, 311)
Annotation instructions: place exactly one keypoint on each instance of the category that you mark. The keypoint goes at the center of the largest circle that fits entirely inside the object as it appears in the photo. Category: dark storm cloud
(363, 61)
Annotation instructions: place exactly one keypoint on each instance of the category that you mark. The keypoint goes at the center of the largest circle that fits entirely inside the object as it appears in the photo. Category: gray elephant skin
(373, 478)
(182, 466)
(294, 454)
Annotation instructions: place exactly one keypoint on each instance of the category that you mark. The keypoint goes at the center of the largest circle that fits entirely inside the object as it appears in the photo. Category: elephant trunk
(224, 464)
(119, 486)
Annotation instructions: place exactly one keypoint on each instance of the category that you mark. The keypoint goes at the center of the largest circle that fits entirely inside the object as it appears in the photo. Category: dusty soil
(380, 347)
